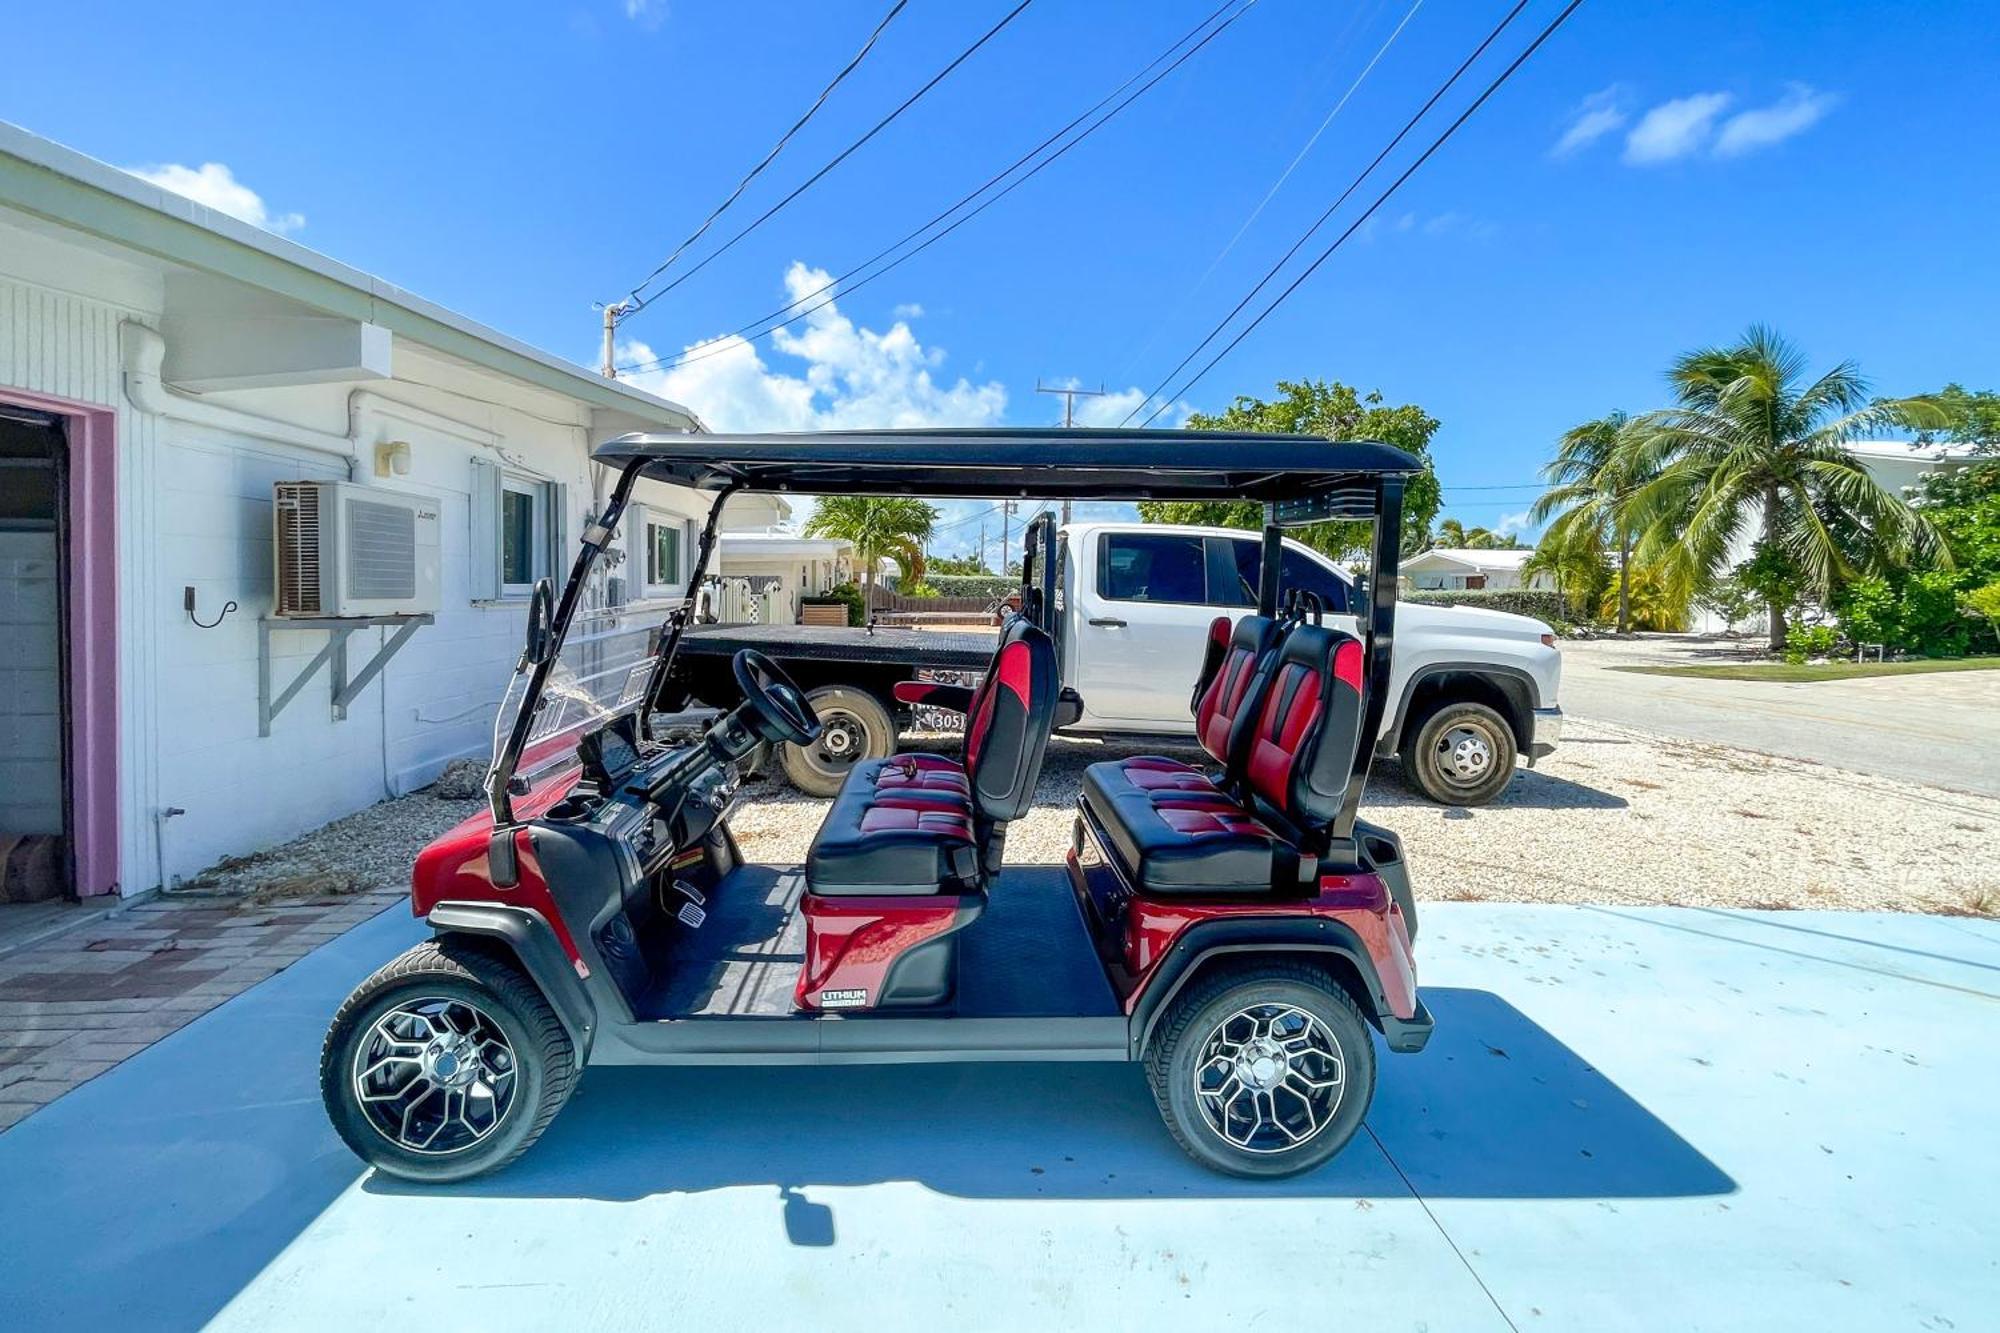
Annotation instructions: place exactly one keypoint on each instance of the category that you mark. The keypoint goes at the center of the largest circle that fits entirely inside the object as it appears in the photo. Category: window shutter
(561, 553)
(638, 560)
(483, 544)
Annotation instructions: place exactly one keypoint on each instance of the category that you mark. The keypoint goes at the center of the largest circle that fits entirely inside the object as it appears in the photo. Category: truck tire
(1460, 754)
(857, 727)
(446, 1064)
(1264, 1069)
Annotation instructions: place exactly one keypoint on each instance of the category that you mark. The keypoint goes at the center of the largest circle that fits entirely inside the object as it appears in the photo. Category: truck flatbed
(961, 650)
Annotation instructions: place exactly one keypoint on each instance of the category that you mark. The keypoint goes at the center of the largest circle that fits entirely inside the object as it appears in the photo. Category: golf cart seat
(925, 824)
(1291, 731)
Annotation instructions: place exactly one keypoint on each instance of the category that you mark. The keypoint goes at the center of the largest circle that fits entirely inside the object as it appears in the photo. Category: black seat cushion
(893, 834)
(1180, 841)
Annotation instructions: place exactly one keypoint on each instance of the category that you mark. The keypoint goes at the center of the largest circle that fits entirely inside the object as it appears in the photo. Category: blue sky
(1659, 176)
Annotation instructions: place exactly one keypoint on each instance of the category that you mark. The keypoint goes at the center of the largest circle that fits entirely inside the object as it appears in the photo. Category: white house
(161, 367)
(1456, 569)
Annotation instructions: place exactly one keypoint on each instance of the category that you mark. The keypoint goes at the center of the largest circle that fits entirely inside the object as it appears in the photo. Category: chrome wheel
(435, 1075)
(1269, 1078)
(1465, 754)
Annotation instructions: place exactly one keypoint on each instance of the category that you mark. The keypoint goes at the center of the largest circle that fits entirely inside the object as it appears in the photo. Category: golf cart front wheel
(446, 1064)
(1265, 1070)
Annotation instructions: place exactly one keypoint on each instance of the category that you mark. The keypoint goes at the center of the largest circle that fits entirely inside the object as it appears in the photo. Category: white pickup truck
(1472, 690)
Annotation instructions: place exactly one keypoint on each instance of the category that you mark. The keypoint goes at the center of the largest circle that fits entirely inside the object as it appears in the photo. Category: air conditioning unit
(348, 550)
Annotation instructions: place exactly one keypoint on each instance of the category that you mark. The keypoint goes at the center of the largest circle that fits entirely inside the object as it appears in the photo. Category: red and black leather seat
(1287, 753)
(924, 823)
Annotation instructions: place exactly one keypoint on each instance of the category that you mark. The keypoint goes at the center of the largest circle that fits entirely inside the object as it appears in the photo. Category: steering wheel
(778, 711)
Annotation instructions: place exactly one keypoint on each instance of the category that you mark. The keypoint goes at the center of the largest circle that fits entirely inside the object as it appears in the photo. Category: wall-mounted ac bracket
(345, 689)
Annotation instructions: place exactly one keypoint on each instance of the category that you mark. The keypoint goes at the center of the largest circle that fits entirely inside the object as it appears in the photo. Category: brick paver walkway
(75, 1005)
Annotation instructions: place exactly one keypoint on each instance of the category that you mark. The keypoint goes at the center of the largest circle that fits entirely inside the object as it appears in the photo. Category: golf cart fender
(527, 935)
(1245, 938)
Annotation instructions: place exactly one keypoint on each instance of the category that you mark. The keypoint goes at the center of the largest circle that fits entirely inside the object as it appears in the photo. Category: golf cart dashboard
(653, 801)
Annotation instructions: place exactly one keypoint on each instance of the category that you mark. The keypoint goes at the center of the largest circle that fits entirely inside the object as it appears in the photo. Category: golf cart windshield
(585, 663)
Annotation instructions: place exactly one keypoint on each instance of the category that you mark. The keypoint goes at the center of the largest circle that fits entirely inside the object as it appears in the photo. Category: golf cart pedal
(691, 916)
(690, 892)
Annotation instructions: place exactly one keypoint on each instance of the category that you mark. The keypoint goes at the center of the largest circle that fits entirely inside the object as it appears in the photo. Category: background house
(161, 367)
(1458, 570)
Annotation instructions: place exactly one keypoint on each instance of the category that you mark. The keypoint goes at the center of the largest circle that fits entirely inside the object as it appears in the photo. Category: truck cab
(1470, 691)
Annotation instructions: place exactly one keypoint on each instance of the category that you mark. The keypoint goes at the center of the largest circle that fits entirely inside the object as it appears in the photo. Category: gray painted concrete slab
(1937, 728)
(1629, 1119)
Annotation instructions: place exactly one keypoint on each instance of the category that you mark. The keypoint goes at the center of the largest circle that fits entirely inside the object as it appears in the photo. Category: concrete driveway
(1663, 1118)
(1937, 728)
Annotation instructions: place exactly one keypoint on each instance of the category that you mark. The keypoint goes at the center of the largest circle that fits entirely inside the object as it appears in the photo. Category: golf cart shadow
(1495, 1108)
(1531, 789)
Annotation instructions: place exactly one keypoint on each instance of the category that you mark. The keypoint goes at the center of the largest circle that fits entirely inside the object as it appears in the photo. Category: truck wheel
(444, 1065)
(857, 727)
(1264, 1070)
(1462, 754)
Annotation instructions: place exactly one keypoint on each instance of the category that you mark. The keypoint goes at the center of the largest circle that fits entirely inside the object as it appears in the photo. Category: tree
(958, 564)
(1970, 418)
(1748, 442)
(1591, 484)
(1336, 412)
(1574, 559)
(895, 526)
(1451, 535)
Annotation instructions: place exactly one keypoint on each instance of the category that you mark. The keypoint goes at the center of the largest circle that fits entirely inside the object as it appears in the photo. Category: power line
(1382, 198)
(1331, 208)
(763, 324)
(1279, 183)
(776, 148)
(641, 302)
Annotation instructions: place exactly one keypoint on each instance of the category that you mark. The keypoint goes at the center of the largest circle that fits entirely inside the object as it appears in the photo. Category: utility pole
(612, 314)
(1007, 508)
(1069, 397)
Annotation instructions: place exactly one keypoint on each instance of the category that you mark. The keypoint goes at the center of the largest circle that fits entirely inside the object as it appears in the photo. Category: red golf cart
(1234, 926)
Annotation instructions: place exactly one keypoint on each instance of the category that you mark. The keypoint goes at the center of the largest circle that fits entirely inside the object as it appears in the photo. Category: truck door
(1142, 609)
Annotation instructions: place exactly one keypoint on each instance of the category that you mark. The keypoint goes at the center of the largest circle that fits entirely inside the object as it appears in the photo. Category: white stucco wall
(194, 508)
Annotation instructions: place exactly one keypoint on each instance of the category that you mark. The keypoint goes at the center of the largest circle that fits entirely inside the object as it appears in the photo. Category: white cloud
(1797, 111)
(849, 377)
(1596, 116)
(646, 13)
(908, 310)
(213, 185)
(1674, 129)
(1511, 524)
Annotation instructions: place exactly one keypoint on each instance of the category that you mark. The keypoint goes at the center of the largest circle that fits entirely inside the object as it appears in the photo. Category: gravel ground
(1615, 816)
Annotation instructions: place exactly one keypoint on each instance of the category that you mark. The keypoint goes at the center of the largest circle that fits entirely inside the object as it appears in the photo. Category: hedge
(1539, 603)
(972, 585)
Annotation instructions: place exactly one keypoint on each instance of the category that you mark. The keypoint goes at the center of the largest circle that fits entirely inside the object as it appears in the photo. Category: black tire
(1193, 1020)
(451, 971)
(1460, 754)
(857, 727)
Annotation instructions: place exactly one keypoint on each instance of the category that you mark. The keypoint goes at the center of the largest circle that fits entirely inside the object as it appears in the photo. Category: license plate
(944, 719)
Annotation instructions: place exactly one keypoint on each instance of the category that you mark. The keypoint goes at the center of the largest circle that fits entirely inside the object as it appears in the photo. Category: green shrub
(1537, 603)
(1804, 642)
(920, 590)
(971, 585)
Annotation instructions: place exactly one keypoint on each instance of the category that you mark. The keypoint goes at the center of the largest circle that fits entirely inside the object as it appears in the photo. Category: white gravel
(1614, 816)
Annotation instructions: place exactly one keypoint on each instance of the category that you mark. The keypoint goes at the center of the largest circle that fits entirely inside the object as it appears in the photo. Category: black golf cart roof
(1029, 462)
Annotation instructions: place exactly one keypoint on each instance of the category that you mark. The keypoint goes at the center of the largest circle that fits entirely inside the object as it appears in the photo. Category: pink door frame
(91, 761)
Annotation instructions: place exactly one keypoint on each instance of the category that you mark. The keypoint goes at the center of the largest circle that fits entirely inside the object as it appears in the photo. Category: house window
(663, 554)
(524, 535)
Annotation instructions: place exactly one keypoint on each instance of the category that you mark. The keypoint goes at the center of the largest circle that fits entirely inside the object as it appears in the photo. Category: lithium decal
(843, 999)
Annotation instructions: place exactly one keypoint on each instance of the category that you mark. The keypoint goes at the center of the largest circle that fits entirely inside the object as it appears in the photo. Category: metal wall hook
(187, 605)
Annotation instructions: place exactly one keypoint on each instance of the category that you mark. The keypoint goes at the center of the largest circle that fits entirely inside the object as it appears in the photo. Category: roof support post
(1380, 630)
(1270, 573)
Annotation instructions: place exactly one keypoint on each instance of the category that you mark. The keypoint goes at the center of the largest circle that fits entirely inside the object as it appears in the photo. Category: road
(1938, 728)
(1629, 1118)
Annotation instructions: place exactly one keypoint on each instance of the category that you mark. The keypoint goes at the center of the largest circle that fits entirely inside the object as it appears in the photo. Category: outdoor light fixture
(392, 457)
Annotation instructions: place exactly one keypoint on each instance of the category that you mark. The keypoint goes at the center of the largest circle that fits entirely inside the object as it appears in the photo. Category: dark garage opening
(34, 823)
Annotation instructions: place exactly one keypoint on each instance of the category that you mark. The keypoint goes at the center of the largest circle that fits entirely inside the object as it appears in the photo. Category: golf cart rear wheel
(1463, 754)
(855, 726)
(1262, 1070)
(446, 1064)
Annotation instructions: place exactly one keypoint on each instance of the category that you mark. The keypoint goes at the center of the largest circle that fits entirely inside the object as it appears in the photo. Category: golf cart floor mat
(1028, 954)
(745, 956)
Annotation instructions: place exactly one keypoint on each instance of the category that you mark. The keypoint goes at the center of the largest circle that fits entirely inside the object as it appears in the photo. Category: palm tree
(1451, 534)
(1747, 443)
(1574, 559)
(1591, 483)
(893, 525)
